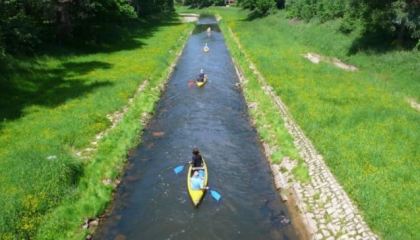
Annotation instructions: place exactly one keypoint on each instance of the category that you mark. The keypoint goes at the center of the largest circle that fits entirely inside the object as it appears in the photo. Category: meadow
(55, 170)
(360, 121)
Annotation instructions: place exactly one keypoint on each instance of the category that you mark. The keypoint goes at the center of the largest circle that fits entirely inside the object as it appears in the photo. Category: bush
(19, 34)
(265, 7)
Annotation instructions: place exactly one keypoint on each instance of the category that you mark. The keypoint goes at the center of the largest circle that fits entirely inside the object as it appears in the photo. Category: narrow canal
(152, 201)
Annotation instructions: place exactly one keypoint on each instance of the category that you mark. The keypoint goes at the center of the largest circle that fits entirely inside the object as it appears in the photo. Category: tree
(26, 23)
(407, 16)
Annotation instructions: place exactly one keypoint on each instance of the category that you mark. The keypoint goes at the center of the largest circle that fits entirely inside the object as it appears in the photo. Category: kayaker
(197, 182)
(201, 76)
(206, 48)
(197, 160)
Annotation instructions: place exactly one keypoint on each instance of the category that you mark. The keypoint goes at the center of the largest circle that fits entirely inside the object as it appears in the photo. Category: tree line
(24, 24)
(396, 18)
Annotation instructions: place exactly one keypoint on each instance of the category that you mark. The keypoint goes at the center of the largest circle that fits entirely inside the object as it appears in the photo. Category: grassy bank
(54, 105)
(359, 121)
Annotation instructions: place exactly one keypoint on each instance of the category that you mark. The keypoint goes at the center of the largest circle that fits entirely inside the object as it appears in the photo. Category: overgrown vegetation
(397, 19)
(52, 106)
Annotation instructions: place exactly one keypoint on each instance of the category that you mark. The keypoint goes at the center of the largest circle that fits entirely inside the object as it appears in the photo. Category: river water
(152, 201)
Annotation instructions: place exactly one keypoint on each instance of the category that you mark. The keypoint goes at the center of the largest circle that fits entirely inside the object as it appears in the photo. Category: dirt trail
(316, 58)
(414, 104)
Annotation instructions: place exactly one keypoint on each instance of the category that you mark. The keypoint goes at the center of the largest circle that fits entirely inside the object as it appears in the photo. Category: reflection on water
(152, 201)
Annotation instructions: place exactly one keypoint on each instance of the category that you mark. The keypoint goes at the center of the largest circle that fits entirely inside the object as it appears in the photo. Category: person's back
(201, 76)
(196, 183)
(197, 160)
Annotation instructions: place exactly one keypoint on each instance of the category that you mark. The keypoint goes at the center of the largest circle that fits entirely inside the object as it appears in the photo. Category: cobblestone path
(325, 208)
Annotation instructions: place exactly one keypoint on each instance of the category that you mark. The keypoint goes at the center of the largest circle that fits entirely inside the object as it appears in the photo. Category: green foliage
(26, 23)
(330, 9)
(219, 2)
(53, 106)
(199, 3)
(399, 18)
(301, 173)
(265, 7)
(322, 9)
(302, 9)
(248, 4)
(407, 15)
(260, 8)
(19, 32)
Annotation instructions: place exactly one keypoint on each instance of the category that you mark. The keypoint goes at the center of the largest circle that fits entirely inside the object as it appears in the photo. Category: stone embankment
(325, 209)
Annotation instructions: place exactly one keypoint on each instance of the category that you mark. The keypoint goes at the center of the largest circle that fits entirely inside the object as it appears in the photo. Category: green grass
(54, 105)
(359, 121)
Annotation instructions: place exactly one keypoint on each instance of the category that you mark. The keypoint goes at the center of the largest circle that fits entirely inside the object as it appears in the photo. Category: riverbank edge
(324, 209)
(137, 111)
(160, 88)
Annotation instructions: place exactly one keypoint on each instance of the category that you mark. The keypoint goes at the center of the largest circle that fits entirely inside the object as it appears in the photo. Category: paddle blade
(190, 83)
(215, 195)
(178, 169)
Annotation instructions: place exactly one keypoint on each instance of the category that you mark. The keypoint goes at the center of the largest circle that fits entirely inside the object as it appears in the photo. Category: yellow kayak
(200, 84)
(196, 195)
(206, 48)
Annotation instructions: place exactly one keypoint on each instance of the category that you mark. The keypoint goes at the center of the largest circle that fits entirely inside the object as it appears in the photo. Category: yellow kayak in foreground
(196, 195)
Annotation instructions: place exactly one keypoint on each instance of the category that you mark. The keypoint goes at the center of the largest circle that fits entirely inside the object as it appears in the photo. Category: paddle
(190, 83)
(215, 195)
(179, 168)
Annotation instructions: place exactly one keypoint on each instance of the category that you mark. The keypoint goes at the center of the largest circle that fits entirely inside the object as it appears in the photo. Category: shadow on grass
(113, 38)
(379, 43)
(254, 15)
(25, 82)
(25, 85)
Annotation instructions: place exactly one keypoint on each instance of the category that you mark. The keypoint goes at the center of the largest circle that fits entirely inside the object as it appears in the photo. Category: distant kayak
(206, 48)
(197, 195)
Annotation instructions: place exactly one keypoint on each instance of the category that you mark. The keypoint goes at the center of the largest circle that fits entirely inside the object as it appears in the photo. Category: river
(152, 201)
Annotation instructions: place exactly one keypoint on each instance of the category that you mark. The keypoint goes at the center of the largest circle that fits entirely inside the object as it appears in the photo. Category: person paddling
(206, 48)
(197, 182)
(196, 160)
(201, 76)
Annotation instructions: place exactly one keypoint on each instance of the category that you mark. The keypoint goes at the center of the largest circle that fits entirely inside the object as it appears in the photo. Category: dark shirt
(197, 161)
(200, 77)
